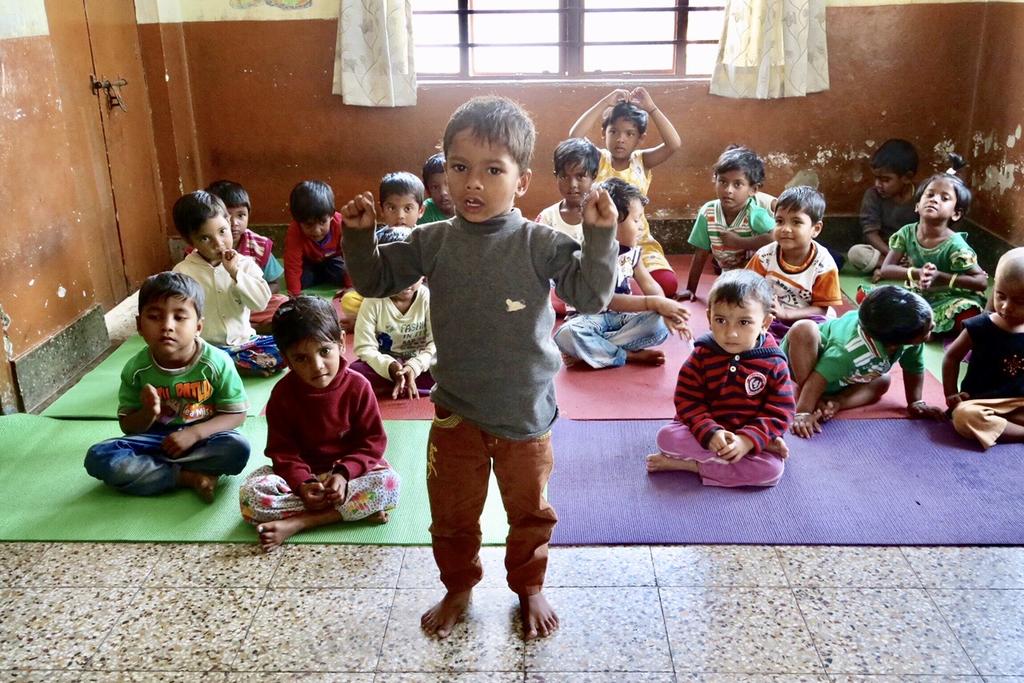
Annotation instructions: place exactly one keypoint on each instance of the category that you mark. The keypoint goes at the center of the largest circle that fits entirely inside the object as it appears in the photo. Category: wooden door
(128, 132)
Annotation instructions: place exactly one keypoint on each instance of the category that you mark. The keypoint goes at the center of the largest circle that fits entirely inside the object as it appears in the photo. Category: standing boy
(180, 401)
(489, 272)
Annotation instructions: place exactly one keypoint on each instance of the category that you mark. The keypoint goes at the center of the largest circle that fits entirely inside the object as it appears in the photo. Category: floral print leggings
(266, 497)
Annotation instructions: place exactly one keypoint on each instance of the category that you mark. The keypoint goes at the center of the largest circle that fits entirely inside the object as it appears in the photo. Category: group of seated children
(487, 340)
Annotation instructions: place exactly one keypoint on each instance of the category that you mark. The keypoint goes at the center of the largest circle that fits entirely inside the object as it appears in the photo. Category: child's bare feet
(440, 619)
(646, 357)
(827, 409)
(779, 447)
(273, 534)
(203, 484)
(539, 618)
(569, 361)
(381, 517)
(659, 462)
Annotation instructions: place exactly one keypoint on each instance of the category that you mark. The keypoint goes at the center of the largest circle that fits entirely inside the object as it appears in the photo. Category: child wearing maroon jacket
(734, 399)
(325, 436)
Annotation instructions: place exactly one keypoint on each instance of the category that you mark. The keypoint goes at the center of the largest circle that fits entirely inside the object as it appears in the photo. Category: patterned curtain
(772, 48)
(373, 60)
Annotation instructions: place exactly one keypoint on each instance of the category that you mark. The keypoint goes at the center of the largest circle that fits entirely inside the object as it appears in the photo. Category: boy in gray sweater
(489, 271)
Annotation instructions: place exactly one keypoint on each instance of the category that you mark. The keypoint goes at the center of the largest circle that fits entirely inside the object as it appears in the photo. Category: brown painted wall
(998, 167)
(264, 114)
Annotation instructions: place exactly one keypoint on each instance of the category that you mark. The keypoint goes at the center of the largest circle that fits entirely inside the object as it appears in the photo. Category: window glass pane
(437, 60)
(513, 60)
(704, 25)
(434, 5)
(513, 4)
(435, 29)
(626, 4)
(513, 28)
(707, 3)
(700, 59)
(618, 26)
(628, 58)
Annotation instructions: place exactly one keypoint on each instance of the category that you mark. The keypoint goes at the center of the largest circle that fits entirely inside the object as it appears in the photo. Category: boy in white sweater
(394, 343)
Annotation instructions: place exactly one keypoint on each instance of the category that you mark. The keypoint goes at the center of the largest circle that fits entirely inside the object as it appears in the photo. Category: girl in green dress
(943, 267)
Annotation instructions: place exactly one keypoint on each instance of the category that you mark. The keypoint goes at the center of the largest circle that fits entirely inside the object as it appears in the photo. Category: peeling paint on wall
(804, 176)
(779, 159)
(999, 177)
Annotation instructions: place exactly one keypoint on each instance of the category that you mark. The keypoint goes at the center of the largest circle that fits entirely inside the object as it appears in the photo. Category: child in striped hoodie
(734, 398)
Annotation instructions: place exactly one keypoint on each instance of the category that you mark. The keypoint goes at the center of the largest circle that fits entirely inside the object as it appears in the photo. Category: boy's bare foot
(827, 409)
(273, 534)
(646, 357)
(779, 447)
(203, 484)
(381, 517)
(539, 618)
(440, 619)
(659, 462)
(569, 361)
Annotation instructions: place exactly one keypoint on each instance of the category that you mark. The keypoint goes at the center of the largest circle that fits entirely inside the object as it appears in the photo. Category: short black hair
(628, 111)
(805, 199)
(737, 287)
(231, 193)
(311, 200)
(305, 317)
(896, 155)
(433, 165)
(192, 210)
(495, 121)
(167, 284)
(894, 315)
(623, 194)
(401, 183)
(736, 158)
(577, 152)
(963, 193)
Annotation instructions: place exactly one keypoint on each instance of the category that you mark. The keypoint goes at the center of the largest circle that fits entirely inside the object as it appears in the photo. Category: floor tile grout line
(245, 636)
(952, 630)
(810, 632)
(387, 621)
(664, 626)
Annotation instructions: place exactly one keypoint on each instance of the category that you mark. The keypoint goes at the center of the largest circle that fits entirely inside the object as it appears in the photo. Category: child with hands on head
(394, 343)
(989, 406)
(844, 363)
(802, 272)
(325, 436)
(942, 266)
(494, 397)
(233, 284)
(734, 398)
(180, 401)
(632, 324)
(734, 225)
(624, 116)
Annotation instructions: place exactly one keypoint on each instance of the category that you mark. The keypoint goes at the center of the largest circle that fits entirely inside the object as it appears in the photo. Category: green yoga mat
(95, 395)
(41, 469)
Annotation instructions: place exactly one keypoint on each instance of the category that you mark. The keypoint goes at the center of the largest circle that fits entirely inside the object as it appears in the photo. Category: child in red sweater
(312, 245)
(734, 399)
(325, 436)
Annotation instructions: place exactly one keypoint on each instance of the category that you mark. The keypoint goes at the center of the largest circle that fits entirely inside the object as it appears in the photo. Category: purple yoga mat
(884, 482)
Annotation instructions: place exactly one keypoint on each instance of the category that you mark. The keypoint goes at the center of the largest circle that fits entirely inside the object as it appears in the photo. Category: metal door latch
(112, 89)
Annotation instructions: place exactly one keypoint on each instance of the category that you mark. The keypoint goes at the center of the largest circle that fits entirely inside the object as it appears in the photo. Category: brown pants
(459, 459)
(983, 419)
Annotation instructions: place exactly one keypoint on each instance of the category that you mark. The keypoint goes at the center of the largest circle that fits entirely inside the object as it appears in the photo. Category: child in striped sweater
(734, 398)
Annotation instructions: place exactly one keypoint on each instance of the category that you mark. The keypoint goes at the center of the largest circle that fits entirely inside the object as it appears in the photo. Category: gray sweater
(490, 308)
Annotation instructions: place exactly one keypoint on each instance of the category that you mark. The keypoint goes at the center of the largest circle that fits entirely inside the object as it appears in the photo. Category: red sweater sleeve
(692, 408)
(293, 247)
(283, 445)
(777, 412)
(364, 445)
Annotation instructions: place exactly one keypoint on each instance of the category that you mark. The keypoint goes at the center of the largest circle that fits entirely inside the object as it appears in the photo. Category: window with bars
(578, 39)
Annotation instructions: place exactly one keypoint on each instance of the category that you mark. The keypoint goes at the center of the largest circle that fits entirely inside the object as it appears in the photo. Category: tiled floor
(736, 614)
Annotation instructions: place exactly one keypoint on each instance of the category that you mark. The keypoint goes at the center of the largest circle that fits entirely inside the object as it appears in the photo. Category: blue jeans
(330, 270)
(602, 340)
(136, 463)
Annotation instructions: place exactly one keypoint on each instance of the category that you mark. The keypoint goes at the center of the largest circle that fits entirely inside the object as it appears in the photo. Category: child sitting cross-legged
(989, 406)
(734, 399)
(232, 283)
(802, 272)
(180, 401)
(733, 226)
(325, 436)
(312, 245)
(632, 324)
(248, 243)
(844, 363)
(394, 344)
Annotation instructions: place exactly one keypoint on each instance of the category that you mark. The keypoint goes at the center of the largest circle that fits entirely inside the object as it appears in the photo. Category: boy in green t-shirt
(439, 205)
(844, 363)
(179, 403)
